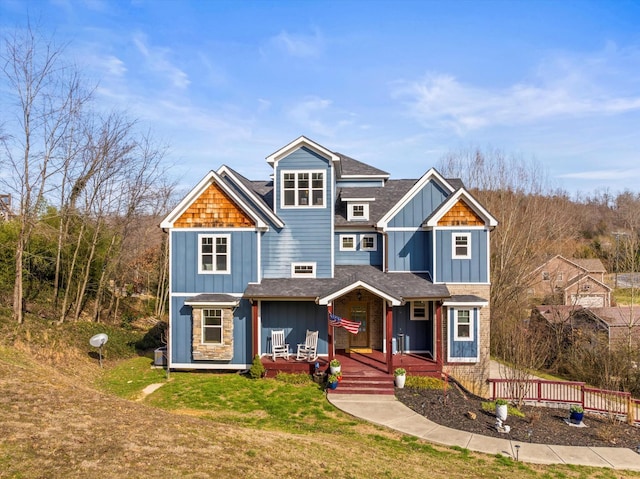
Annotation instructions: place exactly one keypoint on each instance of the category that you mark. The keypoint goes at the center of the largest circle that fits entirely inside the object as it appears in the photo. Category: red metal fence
(569, 392)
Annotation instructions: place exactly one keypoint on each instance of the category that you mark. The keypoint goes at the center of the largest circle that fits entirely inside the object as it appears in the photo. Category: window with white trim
(358, 212)
(212, 326)
(546, 276)
(368, 242)
(418, 310)
(347, 242)
(461, 245)
(303, 188)
(303, 270)
(462, 325)
(214, 254)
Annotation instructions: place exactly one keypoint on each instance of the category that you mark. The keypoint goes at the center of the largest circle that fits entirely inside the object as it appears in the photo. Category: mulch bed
(540, 424)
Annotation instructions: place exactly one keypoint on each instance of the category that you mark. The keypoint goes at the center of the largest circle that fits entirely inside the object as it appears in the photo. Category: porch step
(357, 384)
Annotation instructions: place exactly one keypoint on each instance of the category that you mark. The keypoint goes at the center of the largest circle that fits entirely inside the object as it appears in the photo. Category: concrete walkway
(386, 410)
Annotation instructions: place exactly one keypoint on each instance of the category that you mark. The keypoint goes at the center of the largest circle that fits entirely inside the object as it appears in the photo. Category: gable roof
(586, 276)
(461, 194)
(592, 265)
(298, 143)
(209, 179)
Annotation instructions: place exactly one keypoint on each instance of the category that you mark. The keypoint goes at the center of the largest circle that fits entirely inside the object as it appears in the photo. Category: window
(303, 270)
(303, 188)
(418, 310)
(462, 246)
(215, 254)
(358, 212)
(347, 243)
(368, 243)
(212, 326)
(463, 327)
(546, 276)
(559, 276)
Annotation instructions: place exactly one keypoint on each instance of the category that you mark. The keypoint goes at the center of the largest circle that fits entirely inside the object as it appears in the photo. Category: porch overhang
(466, 301)
(213, 300)
(328, 298)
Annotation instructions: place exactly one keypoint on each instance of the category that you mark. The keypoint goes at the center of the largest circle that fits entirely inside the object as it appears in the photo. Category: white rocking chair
(279, 349)
(309, 350)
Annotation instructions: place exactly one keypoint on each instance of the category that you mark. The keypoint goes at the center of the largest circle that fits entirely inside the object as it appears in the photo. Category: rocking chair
(279, 349)
(309, 350)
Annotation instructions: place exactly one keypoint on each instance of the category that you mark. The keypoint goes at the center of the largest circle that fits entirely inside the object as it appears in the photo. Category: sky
(395, 84)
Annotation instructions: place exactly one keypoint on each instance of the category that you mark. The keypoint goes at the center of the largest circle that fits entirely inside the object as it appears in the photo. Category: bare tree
(47, 96)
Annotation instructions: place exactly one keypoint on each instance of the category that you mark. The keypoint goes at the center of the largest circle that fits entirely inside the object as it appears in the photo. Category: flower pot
(333, 385)
(501, 411)
(576, 417)
(334, 369)
(400, 380)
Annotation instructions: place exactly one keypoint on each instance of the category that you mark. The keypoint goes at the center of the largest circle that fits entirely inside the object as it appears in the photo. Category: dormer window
(302, 189)
(357, 212)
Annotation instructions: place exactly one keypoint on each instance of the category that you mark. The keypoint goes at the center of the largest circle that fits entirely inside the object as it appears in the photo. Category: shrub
(400, 372)
(576, 408)
(334, 363)
(257, 369)
(501, 402)
(423, 382)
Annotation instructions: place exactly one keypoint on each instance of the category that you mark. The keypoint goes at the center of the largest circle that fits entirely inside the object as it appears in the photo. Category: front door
(360, 342)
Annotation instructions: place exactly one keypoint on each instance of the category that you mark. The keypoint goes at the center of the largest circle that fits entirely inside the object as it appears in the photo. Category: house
(327, 234)
(5, 207)
(617, 326)
(570, 282)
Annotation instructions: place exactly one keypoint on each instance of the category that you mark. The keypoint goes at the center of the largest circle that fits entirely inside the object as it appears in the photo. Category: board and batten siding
(306, 236)
(184, 263)
(463, 351)
(295, 318)
(182, 327)
(418, 335)
(410, 250)
(420, 207)
(357, 257)
(473, 270)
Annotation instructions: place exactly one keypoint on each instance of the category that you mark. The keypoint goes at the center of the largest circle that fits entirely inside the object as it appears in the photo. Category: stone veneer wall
(473, 375)
(220, 352)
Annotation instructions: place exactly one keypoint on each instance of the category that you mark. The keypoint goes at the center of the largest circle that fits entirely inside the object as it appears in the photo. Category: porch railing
(616, 403)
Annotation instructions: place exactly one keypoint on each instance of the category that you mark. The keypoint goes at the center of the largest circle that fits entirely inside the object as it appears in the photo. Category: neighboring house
(570, 282)
(5, 207)
(329, 235)
(618, 326)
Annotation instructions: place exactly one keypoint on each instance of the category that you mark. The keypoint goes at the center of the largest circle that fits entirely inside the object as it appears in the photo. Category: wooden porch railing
(618, 403)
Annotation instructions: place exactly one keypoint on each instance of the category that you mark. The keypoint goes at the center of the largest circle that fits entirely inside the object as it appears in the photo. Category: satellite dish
(98, 340)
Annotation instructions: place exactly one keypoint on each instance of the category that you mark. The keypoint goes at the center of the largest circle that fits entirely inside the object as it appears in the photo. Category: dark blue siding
(181, 333)
(474, 270)
(410, 250)
(419, 207)
(463, 349)
(184, 263)
(295, 318)
(418, 335)
(307, 234)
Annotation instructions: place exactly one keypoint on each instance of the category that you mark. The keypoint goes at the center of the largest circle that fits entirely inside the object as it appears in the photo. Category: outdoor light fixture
(517, 446)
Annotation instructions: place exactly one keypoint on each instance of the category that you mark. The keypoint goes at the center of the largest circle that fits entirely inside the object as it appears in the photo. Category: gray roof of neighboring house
(403, 286)
(593, 265)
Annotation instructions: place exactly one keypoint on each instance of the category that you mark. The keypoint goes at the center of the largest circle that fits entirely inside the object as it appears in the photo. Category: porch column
(254, 329)
(439, 346)
(330, 344)
(389, 338)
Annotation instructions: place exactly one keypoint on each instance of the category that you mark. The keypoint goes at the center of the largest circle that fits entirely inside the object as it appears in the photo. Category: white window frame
(353, 239)
(413, 311)
(546, 276)
(351, 216)
(296, 188)
(205, 326)
(214, 238)
(454, 238)
(306, 265)
(456, 323)
(375, 242)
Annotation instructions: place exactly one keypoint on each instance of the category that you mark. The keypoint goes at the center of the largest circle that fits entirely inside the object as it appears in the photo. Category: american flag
(338, 322)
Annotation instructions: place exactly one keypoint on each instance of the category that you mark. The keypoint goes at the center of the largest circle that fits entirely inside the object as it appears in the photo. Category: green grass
(490, 406)
(129, 378)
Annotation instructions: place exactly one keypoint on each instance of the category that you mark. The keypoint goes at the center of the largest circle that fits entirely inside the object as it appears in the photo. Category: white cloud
(614, 174)
(157, 60)
(300, 46)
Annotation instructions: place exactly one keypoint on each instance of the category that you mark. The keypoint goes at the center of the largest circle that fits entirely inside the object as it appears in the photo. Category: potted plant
(334, 366)
(576, 413)
(501, 409)
(400, 376)
(332, 381)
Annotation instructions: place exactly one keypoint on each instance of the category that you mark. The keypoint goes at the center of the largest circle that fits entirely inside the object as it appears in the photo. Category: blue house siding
(419, 207)
(418, 335)
(307, 234)
(295, 318)
(357, 257)
(474, 270)
(410, 250)
(463, 350)
(182, 327)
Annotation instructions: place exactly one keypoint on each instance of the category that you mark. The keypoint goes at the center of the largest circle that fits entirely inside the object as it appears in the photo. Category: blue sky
(397, 84)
